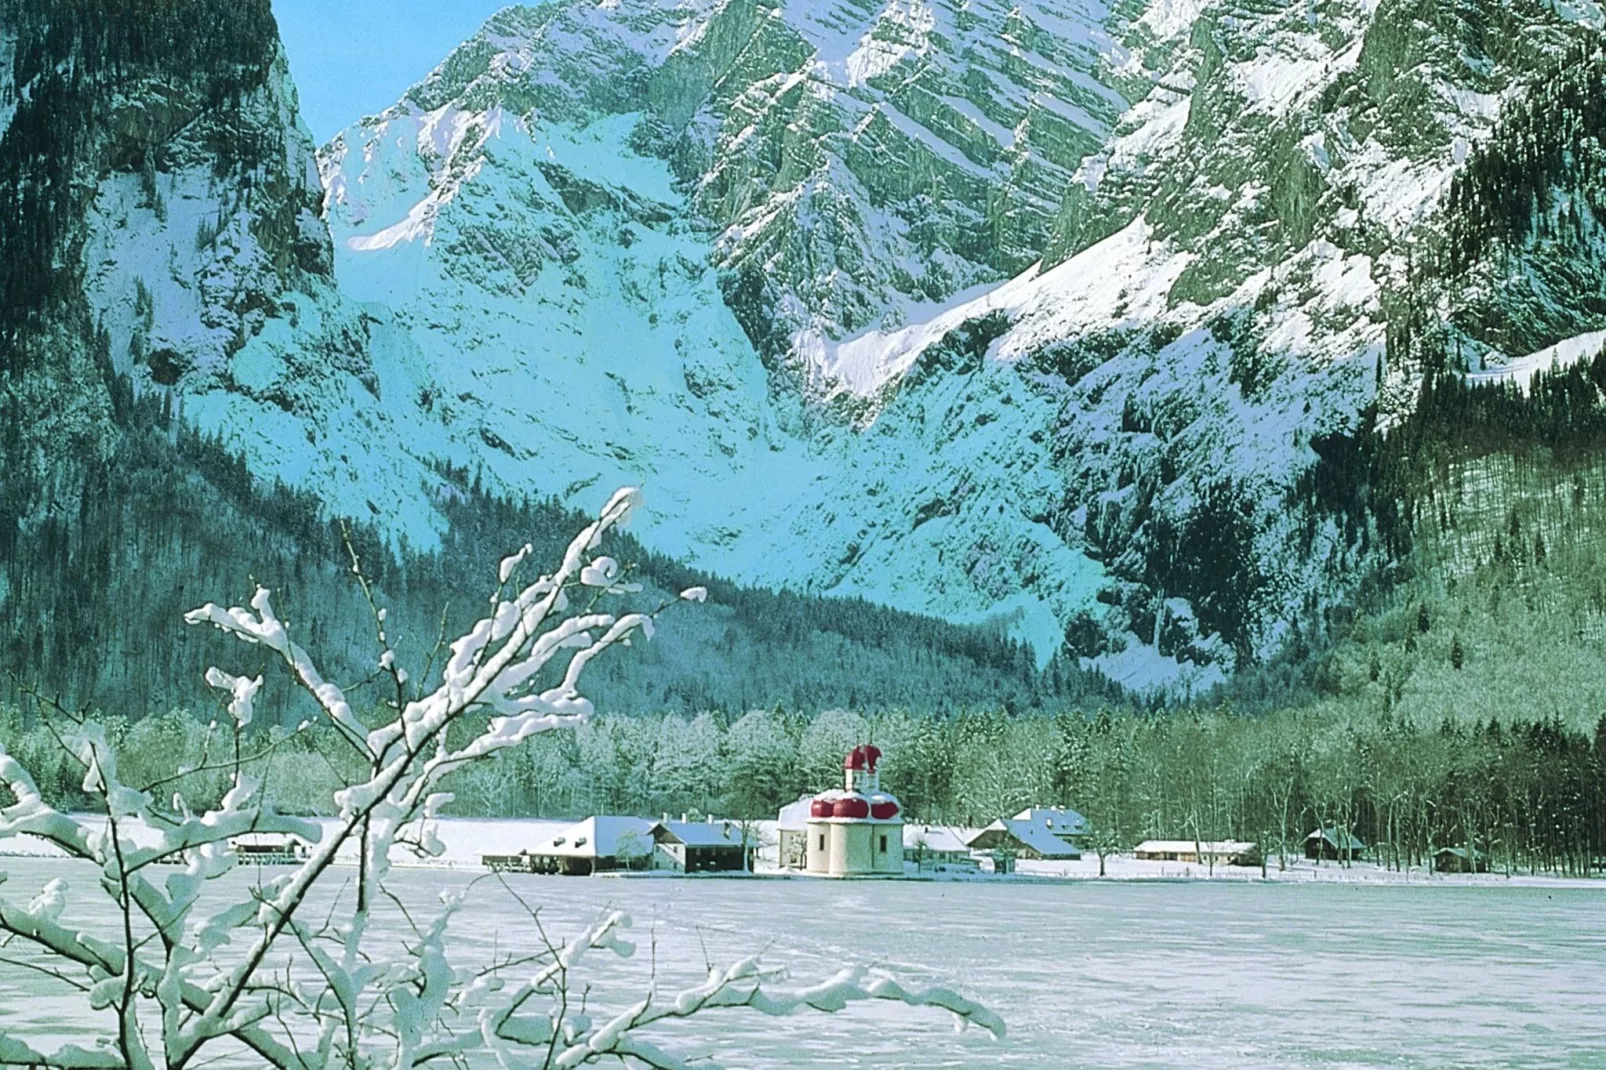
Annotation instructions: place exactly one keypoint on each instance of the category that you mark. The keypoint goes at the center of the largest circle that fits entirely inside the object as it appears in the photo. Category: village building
(1333, 844)
(855, 831)
(937, 845)
(595, 845)
(268, 849)
(700, 847)
(792, 834)
(1206, 852)
(1460, 860)
(1065, 823)
(1033, 840)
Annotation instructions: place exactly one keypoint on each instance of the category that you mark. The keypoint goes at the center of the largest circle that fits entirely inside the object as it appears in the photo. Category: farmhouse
(856, 831)
(700, 847)
(1217, 852)
(1460, 860)
(940, 845)
(1067, 824)
(595, 845)
(1333, 844)
(1030, 840)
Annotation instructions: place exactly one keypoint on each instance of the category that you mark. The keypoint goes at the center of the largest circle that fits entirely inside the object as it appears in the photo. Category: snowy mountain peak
(852, 162)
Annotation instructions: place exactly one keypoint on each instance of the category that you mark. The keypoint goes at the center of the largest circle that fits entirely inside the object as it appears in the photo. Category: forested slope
(94, 595)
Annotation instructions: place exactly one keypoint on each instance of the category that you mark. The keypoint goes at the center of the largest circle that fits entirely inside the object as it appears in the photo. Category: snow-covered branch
(183, 972)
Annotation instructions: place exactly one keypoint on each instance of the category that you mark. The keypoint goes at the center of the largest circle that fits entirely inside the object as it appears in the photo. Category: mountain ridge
(796, 270)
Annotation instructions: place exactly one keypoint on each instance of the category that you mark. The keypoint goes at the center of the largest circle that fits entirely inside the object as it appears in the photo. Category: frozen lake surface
(1087, 974)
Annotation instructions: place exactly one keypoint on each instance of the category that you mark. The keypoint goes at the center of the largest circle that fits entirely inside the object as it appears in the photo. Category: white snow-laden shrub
(183, 978)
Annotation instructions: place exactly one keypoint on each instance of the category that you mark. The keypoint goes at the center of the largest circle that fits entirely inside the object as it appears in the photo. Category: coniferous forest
(1459, 702)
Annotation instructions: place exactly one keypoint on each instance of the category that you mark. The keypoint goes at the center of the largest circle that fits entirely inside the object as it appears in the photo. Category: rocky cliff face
(1521, 249)
(845, 161)
(160, 209)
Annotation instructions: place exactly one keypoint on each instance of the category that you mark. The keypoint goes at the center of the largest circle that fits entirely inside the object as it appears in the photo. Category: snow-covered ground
(1113, 974)
(1563, 354)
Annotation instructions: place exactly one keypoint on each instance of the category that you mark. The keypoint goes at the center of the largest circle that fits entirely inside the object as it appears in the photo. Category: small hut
(1460, 860)
(1333, 844)
(937, 845)
(267, 849)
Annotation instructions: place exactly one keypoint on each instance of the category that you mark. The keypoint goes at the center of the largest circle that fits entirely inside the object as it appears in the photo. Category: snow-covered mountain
(1050, 314)
(646, 275)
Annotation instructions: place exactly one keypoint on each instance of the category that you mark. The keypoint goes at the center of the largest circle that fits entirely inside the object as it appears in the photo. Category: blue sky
(352, 58)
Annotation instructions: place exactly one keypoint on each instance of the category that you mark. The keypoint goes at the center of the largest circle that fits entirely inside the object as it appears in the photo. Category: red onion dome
(862, 757)
(884, 809)
(851, 806)
(820, 808)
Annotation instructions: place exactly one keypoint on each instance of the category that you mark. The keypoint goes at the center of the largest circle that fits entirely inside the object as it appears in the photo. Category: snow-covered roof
(945, 838)
(1039, 839)
(1209, 847)
(1058, 820)
(605, 836)
(703, 833)
(1337, 837)
(1462, 852)
(1036, 837)
(266, 839)
(795, 816)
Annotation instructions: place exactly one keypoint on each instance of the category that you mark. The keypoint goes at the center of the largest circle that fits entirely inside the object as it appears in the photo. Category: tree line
(1531, 793)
